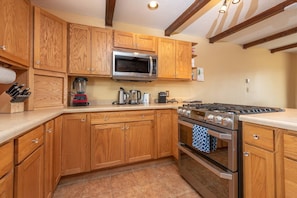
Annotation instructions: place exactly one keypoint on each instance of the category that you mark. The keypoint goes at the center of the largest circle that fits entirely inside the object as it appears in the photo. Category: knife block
(10, 107)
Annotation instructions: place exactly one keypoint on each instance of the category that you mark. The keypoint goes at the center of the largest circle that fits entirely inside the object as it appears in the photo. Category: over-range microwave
(134, 66)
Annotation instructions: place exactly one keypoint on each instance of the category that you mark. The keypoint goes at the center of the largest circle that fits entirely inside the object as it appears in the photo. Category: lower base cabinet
(29, 176)
(6, 185)
(75, 144)
(6, 170)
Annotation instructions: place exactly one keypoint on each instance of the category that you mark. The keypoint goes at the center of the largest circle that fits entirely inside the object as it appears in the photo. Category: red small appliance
(80, 98)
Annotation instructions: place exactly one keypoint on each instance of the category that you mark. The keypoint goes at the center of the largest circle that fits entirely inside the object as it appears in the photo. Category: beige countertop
(13, 125)
(284, 120)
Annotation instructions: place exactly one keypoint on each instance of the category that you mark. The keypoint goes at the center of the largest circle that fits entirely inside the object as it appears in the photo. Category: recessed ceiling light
(153, 5)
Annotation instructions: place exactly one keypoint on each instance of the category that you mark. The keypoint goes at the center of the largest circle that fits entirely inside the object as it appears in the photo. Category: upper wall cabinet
(15, 31)
(134, 41)
(174, 59)
(50, 42)
(89, 50)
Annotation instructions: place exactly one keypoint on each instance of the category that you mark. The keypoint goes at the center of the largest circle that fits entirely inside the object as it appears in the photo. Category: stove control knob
(179, 111)
(218, 119)
(188, 113)
(210, 117)
(227, 121)
(184, 112)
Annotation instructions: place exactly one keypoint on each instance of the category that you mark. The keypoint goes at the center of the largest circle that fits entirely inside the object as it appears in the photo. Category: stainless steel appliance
(80, 98)
(134, 66)
(134, 96)
(123, 96)
(216, 172)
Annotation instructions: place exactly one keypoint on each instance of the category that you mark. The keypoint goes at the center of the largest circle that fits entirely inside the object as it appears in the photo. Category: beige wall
(226, 67)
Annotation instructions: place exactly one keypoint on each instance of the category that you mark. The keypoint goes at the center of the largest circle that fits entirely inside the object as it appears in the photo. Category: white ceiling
(206, 23)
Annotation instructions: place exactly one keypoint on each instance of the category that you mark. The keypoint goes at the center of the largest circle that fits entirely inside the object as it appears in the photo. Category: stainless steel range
(210, 147)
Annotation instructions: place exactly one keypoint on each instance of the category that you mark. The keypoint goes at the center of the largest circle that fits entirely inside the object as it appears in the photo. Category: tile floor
(149, 181)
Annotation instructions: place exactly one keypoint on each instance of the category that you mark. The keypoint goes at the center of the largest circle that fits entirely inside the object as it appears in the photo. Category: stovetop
(220, 114)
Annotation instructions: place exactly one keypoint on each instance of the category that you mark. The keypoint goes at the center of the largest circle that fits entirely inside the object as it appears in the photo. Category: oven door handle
(222, 136)
(187, 124)
(217, 171)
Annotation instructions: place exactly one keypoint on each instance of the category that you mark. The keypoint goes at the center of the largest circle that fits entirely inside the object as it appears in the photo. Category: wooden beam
(256, 19)
(193, 9)
(283, 48)
(109, 11)
(270, 38)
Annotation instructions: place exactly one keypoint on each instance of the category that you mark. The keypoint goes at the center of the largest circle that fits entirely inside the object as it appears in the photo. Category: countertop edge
(16, 124)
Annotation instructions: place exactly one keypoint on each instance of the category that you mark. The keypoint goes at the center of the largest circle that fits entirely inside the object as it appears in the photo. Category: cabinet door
(50, 41)
(29, 176)
(107, 145)
(258, 173)
(79, 49)
(123, 40)
(75, 144)
(145, 42)
(139, 141)
(166, 58)
(183, 53)
(57, 151)
(164, 133)
(290, 167)
(101, 51)
(48, 158)
(6, 185)
(174, 134)
(15, 30)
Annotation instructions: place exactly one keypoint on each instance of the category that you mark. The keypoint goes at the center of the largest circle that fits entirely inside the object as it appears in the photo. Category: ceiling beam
(270, 38)
(109, 11)
(193, 9)
(256, 19)
(283, 48)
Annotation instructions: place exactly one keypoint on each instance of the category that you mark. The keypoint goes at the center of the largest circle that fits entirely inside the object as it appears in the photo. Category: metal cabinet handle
(36, 140)
(37, 62)
(256, 137)
(246, 154)
(3, 47)
(127, 128)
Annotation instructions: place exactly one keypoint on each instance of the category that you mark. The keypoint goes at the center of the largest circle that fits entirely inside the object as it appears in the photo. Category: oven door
(206, 178)
(225, 154)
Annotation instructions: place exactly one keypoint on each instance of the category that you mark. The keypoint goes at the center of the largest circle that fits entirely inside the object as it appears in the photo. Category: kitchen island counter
(283, 120)
(15, 124)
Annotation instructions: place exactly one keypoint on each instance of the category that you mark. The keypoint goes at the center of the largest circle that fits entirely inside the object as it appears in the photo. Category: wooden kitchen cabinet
(50, 42)
(121, 137)
(15, 16)
(130, 40)
(166, 58)
(29, 168)
(75, 144)
(164, 127)
(107, 145)
(174, 134)
(261, 150)
(174, 59)
(90, 50)
(183, 63)
(6, 170)
(57, 151)
(290, 163)
(49, 130)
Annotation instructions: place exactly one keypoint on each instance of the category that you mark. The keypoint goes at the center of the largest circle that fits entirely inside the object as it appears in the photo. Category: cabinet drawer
(27, 143)
(259, 136)
(290, 146)
(6, 158)
(121, 116)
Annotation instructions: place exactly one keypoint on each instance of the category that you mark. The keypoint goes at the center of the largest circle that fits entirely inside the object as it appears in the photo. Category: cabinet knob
(83, 120)
(49, 130)
(127, 128)
(36, 140)
(123, 128)
(106, 118)
(246, 154)
(3, 47)
(256, 137)
(37, 62)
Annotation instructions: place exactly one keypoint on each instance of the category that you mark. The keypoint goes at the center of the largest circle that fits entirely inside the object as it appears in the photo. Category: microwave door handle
(151, 66)
(221, 136)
